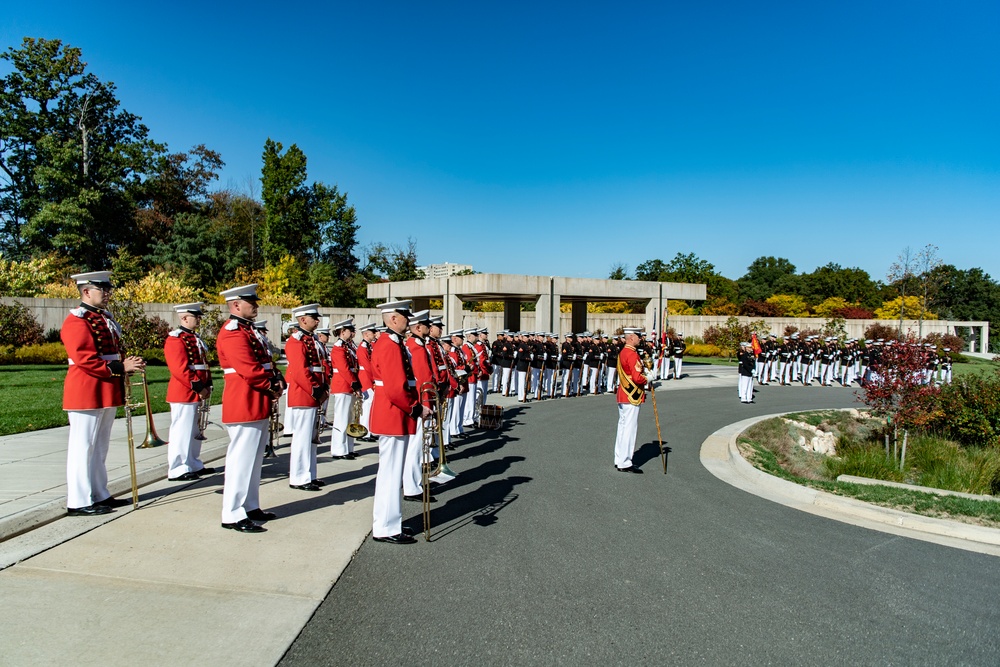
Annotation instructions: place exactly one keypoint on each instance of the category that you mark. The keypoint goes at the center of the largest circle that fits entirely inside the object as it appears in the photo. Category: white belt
(441, 368)
(266, 366)
(316, 369)
(411, 383)
(227, 371)
(105, 357)
(378, 383)
(198, 367)
(335, 370)
(361, 368)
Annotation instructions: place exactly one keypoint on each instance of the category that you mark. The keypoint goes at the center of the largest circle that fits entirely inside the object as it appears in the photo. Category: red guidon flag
(755, 344)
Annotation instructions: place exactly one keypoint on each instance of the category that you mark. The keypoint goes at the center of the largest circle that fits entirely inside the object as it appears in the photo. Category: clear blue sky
(562, 138)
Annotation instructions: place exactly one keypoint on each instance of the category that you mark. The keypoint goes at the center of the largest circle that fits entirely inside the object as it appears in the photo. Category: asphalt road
(544, 555)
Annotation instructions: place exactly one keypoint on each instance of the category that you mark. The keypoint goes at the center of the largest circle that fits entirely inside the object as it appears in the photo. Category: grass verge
(770, 446)
(31, 396)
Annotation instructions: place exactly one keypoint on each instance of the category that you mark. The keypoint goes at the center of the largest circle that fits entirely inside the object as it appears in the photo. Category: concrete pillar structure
(547, 313)
(579, 316)
(512, 314)
(452, 312)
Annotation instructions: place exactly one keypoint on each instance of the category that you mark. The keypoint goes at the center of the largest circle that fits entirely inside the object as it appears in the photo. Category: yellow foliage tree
(790, 305)
(719, 306)
(911, 309)
(831, 305)
(679, 307)
(489, 307)
(58, 290)
(158, 287)
(30, 278)
(272, 283)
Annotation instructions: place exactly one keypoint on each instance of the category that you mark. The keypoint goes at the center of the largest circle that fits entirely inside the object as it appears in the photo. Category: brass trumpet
(355, 429)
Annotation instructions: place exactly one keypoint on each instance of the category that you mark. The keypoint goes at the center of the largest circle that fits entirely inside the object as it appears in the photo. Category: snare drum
(490, 416)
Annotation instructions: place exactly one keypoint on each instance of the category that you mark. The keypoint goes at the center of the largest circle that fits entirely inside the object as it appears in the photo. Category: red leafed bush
(854, 313)
(896, 389)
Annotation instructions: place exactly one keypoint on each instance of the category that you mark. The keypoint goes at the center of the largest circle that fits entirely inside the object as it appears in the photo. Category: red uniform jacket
(485, 367)
(365, 365)
(420, 360)
(187, 360)
(395, 388)
(631, 364)
(462, 374)
(471, 365)
(345, 367)
(95, 376)
(306, 373)
(249, 371)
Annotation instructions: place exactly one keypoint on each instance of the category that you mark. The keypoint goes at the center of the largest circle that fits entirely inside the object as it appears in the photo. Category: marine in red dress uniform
(307, 389)
(190, 383)
(365, 375)
(631, 394)
(252, 384)
(425, 375)
(91, 394)
(344, 388)
(394, 417)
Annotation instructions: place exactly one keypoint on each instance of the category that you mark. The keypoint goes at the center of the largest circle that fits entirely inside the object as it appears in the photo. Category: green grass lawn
(31, 396)
(975, 365)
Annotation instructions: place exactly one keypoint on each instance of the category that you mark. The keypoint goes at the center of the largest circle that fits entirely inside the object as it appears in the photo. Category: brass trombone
(432, 437)
(152, 439)
(130, 407)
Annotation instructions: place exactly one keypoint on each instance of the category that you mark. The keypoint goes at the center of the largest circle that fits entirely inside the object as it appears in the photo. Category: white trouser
(536, 381)
(746, 388)
(628, 424)
(786, 372)
(521, 384)
(484, 390)
(513, 380)
(505, 380)
(449, 405)
(495, 379)
(584, 381)
(593, 380)
(469, 409)
(86, 470)
(387, 513)
(182, 448)
(612, 376)
(664, 368)
(567, 373)
(678, 363)
(455, 416)
(759, 371)
(340, 443)
(241, 489)
(302, 460)
(412, 473)
(548, 382)
(366, 407)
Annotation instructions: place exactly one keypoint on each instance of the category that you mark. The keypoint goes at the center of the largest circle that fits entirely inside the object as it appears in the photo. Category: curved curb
(720, 455)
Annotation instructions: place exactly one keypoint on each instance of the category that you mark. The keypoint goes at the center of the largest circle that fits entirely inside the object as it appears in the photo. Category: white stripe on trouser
(612, 376)
(387, 515)
(241, 488)
(469, 409)
(678, 363)
(455, 418)
(366, 408)
(505, 380)
(746, 388)
(183, 451)
(628, 424)
(521, 376)
(286, 428)
(302, 460)
(412, 476)
(340, 443)
(86, 470)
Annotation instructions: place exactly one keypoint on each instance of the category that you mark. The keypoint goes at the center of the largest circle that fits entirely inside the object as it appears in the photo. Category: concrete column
(652, 309)
(556, 324)
(579, 316)
(512, 314)
(546, 313)
(985, 337)
(452, 312)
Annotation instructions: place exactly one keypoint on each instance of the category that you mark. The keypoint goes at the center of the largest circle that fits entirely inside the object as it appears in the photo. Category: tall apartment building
(443, 270)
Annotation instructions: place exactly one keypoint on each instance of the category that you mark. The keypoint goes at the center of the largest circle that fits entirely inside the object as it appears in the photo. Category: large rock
(813, 439)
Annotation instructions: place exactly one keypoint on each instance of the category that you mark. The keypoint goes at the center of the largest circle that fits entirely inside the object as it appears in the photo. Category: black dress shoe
(343, 457)
(245, 526)
(402, 538)
(186, 477)
(319, 482)
(205, 471)
(631, 469)
(113, 502)
(260, 515)
(90, 510)
(304, 487)
(351, 456)
(419, 498)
